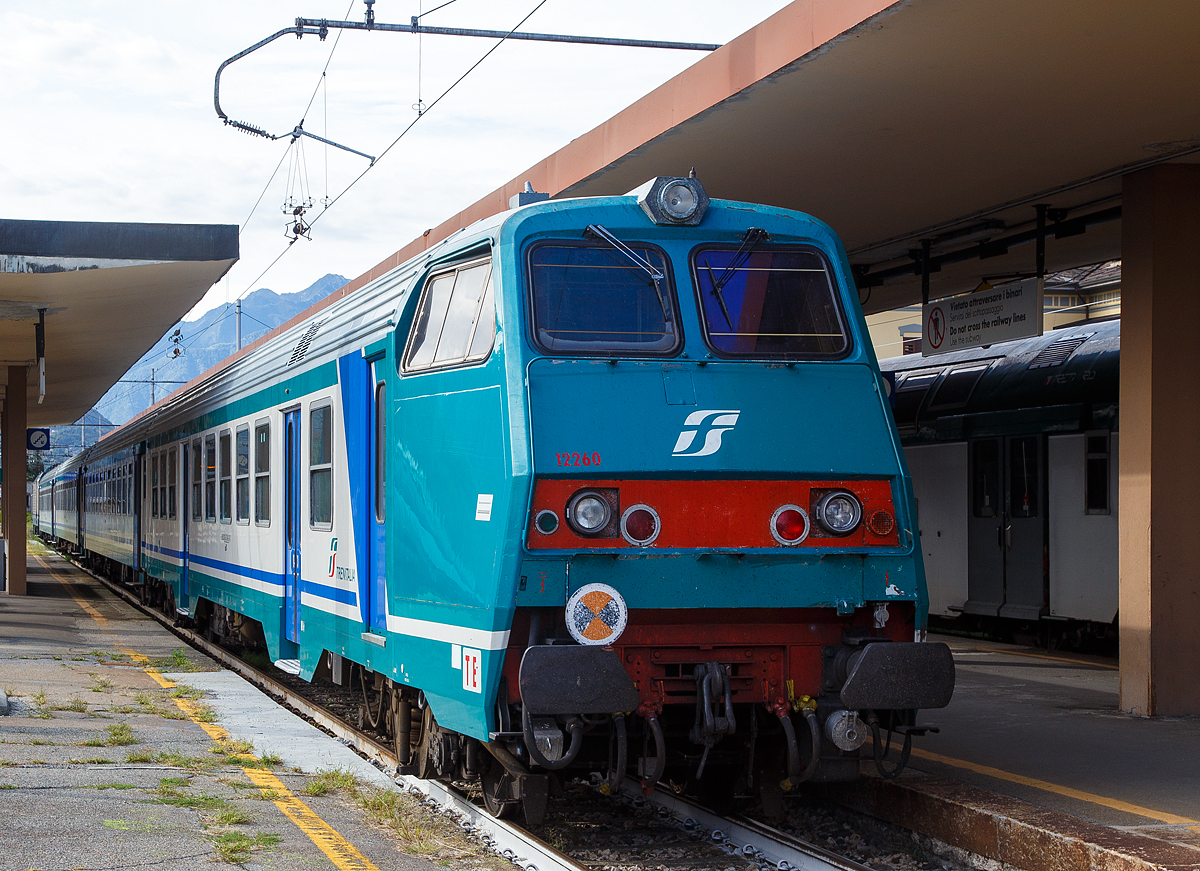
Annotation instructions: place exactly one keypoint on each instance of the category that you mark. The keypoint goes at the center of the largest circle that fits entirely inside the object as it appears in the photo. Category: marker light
(881, 522)
(546, 521)
(789, 525)
(588, 512)
(640, 525)
(678, 201)
(839, 512)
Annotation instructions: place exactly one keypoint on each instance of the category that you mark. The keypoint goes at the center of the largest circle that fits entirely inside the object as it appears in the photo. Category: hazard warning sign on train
(596, 614)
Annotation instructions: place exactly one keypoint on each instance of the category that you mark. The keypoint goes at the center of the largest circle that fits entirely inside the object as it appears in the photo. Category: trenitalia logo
(713, 423)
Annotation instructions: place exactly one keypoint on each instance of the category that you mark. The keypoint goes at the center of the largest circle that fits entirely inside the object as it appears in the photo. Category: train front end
(720, 547)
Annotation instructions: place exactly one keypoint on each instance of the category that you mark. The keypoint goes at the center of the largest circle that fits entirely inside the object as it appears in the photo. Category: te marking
(470, 670)
(577, 459)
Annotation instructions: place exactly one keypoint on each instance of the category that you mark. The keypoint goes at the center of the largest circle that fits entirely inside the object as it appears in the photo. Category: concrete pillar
(1160, 442)
(15, 421)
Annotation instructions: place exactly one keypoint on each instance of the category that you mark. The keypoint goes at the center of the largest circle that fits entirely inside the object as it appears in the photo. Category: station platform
(1036, 767)
(122, 747)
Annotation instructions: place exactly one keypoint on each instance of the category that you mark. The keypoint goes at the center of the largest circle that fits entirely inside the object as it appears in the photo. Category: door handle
(1008, 535)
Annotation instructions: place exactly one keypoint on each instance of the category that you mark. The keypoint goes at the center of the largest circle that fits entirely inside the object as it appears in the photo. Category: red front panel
(711, 514)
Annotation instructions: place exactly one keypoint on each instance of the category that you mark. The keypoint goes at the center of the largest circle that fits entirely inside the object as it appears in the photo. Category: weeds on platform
(400, 814)
(168, 792)
(8, 786)
(183, 691)
(231, 816)
(118, 734)
(235, 847)
(177, 661)
(330, 780)
(79, 706)
(99, 684)
(95, 760)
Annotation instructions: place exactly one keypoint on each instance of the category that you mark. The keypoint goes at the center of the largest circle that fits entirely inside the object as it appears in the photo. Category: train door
(291, 525)
(184, 514)
(376, 606)
(1006, 528)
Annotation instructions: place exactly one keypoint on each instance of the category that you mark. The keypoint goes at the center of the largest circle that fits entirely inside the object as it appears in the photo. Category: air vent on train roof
(1057, 352)
(301, 348)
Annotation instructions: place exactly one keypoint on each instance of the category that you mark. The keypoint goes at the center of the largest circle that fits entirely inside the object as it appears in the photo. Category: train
(601, 484)
(1014, 455)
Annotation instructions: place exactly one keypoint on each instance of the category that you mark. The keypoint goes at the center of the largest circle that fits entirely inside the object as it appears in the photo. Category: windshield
(773, 302)
(593, 300)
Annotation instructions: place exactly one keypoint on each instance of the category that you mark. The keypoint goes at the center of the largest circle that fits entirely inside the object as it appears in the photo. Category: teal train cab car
(606, 483)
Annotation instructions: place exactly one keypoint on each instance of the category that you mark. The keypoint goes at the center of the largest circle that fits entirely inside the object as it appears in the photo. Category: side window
(226, 478)
(210, 478)
(197, 475)
(985, 474)
(456, 319)
(154, 486)
(172, 482)
(162, 484)
(243, 475)
(262, 474)
(1098, 473)
(380, 449)
(320, 467)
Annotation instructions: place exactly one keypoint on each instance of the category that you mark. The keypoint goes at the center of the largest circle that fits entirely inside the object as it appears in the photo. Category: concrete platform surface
(123, 748)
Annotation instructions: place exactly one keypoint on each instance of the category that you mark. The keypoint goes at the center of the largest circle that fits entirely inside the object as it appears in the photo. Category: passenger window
(171, 484)
(162, 490)
(154, 486)
(910, 393)
(455, 320)
(1097, 478)
(320, 490)
(590, 300)
(380, 450)
(262, 474)
(985, 478)
(197, 476)
(226, 478)
(210, 478)
(1023, 477)
(768, 302)
(243, 475)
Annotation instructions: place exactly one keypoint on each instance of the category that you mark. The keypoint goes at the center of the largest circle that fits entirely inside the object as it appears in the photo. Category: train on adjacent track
(1014, 455)
(606, 483)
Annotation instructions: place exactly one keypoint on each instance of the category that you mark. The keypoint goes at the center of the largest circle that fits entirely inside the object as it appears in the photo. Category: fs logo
(713, 423)
(332, 557)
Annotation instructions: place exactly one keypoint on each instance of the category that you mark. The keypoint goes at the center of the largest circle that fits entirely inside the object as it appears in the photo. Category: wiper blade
(635, 259)
(716, 291)
(753, 236)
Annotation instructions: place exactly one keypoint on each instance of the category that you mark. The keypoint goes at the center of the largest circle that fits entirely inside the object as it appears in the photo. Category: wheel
(497, 786)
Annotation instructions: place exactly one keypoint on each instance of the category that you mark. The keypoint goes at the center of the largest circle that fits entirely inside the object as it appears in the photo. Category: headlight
(679, 201)
(839, 512)
(588, 513)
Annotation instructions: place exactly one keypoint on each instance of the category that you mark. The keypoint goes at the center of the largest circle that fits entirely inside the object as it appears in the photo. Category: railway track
(590, 831)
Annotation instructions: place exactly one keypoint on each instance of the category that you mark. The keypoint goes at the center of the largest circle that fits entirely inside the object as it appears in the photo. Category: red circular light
(881, 522)
(640, 524)
(790, 524)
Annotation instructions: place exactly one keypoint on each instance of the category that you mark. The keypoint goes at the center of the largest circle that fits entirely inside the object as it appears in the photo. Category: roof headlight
(839, 512)
(677, 201)
(588, 513)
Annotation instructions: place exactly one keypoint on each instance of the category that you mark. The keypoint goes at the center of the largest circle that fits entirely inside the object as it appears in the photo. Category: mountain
(203, 343)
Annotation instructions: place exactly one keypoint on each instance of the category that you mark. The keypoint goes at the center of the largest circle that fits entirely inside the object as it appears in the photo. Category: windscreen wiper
(753, 236)
(635, 259)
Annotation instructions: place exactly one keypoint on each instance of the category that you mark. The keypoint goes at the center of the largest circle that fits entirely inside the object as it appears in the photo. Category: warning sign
(596, 614)
(983, 317)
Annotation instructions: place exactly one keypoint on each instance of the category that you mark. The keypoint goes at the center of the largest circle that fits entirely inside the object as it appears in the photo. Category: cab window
(597, 300)
(769, 302)
(456, 319)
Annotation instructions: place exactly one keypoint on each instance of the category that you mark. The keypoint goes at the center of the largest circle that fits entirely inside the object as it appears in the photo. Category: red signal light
(640, 525)
(789, 524)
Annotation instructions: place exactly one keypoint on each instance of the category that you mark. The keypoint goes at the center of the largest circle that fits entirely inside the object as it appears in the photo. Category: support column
(1160, 431)
(15, 421)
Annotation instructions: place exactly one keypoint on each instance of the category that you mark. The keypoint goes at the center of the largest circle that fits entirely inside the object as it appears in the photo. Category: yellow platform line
(1047, 656)
(341, 852)
(1046, 786)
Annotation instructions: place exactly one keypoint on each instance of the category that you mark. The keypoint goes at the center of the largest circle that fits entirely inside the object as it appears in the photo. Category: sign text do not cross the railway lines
(982, 317)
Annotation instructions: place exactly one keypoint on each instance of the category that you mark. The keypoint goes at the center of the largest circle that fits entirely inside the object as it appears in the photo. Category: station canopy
(920, 120)
(109, 292)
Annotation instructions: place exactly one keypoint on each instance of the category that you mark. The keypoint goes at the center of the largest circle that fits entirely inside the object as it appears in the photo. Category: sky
(108, 114)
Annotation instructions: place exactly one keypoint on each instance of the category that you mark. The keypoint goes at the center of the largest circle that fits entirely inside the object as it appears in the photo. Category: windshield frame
(843, 321)
(668, 292)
